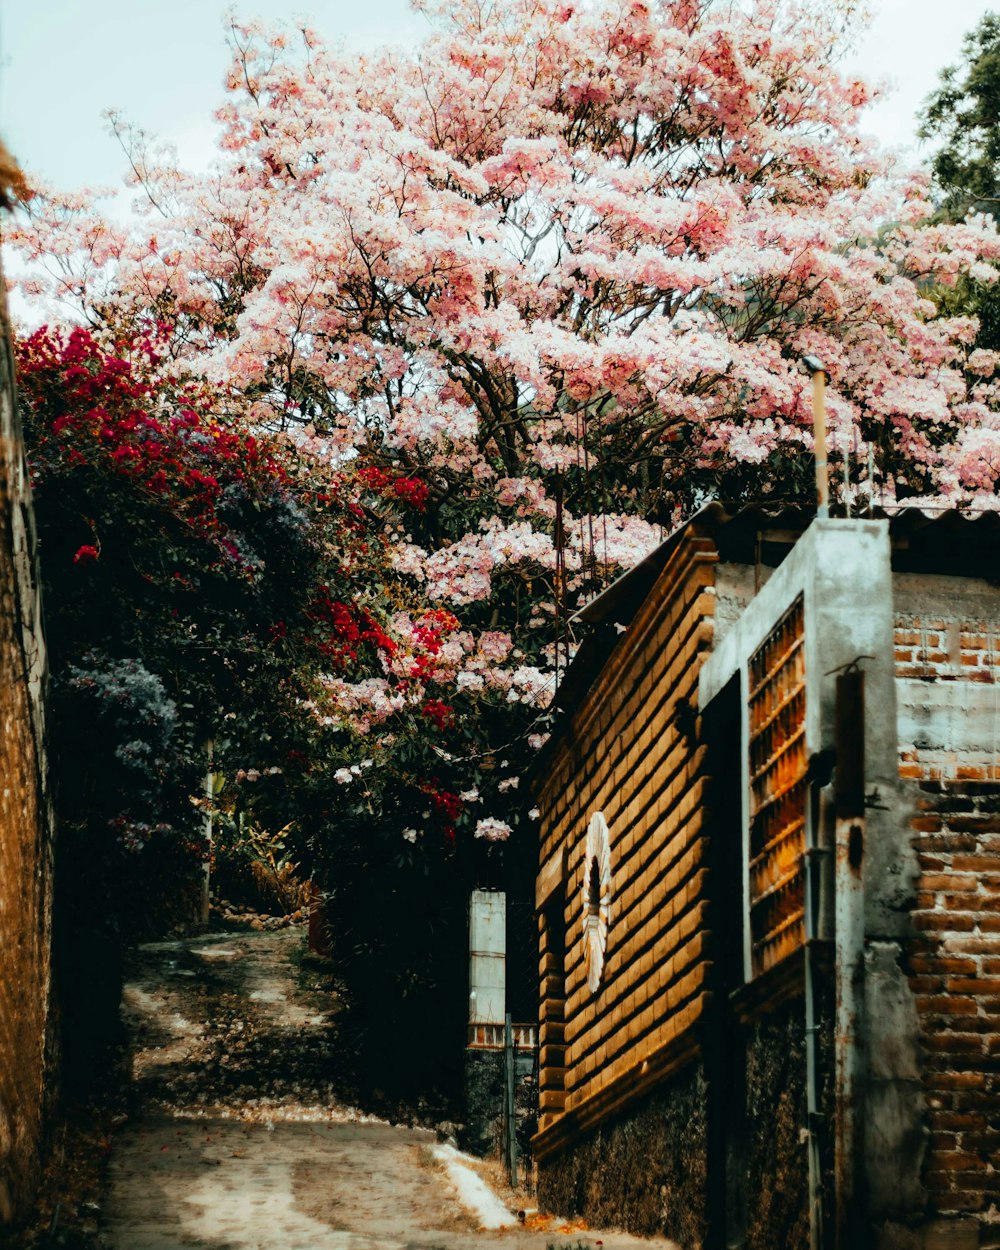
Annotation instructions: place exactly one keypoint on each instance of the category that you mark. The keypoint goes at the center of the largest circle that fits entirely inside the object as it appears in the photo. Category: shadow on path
(237, 1138)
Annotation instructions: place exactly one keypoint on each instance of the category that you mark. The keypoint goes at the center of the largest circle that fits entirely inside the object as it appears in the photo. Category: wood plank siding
(629, 751)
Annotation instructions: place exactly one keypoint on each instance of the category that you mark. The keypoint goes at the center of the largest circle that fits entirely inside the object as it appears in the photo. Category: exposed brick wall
(25, 846)
(947, 652)
(946, 649)
(959, 654)
(955, 975)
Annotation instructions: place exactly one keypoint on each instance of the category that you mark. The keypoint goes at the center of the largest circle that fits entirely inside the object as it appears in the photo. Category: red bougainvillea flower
(439, 714)
(86, 555)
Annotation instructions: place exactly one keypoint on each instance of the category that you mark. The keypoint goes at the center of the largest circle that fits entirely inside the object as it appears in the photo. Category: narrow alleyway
(238, 1142)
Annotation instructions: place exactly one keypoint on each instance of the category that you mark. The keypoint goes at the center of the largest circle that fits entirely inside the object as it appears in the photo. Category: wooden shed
(745, 922)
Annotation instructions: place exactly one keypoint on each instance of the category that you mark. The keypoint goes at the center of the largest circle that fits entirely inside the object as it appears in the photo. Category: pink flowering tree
(555, 271)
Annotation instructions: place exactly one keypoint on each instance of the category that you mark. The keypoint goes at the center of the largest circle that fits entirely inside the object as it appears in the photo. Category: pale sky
(62, 62)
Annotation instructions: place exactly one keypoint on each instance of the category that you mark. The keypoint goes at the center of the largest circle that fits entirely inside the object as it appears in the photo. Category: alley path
(238, 1142)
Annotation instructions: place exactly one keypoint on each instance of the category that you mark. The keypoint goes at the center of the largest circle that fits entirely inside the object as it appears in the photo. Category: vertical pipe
(209, 795)
(819, 436)
(814, 872)
(510, 1103)
(849, 805)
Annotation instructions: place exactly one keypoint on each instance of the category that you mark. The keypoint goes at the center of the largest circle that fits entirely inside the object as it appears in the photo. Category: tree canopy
(962, 117)
(463, 330)
(555, 269)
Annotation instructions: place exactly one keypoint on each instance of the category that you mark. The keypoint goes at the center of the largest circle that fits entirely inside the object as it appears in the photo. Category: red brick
(964, 882)
(958, 1202)
(947, 1005)
(959, 1161)
(986, 1142)
(984, 824)
(957, 1044)
(946, 921)
(957, 1120)
(946, 843)
(944, 964)
(972, 985)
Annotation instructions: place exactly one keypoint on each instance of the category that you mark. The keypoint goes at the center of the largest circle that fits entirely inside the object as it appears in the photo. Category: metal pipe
(819, 436)
(819, 928)
(206, 884)
(814, 367)
(813, 868)
(849, 804)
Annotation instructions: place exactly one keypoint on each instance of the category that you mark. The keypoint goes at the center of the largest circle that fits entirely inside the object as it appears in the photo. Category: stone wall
(25, 825)
(775, 1162)
(645, 1171)
(485, 1086)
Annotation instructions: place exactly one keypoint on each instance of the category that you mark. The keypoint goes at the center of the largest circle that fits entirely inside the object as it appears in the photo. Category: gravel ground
(238, 1140)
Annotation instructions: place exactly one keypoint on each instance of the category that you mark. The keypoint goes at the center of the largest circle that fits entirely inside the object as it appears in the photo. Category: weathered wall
(644, 1170)
(25, 845)
(955, 967)
(775, 1160)
(948, 679)
(629, 752)
(485, 1098)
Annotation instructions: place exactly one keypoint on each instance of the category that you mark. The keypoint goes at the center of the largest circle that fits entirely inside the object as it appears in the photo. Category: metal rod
(814, 868)
(819, 435)
(849, 942)
(206, 884)
(511, 1106)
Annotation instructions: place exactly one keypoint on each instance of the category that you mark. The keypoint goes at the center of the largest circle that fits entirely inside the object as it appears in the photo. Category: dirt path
(238, 1142)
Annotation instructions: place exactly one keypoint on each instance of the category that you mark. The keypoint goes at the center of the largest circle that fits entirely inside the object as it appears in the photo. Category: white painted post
(487, 956)
(209, 795)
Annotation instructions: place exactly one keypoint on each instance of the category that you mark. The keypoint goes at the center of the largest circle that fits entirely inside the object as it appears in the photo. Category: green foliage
(183, 563)
(963, 117)
(204, 589)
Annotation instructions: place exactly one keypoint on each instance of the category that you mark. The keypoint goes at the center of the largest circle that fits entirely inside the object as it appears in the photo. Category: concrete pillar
(487, 956)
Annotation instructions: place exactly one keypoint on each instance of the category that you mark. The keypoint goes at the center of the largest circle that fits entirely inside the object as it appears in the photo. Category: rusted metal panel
(778, 791)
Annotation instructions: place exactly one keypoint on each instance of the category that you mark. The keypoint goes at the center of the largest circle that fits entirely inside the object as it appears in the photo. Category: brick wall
(947, 670)
(955, 966)
(25, 845)
(948, 683)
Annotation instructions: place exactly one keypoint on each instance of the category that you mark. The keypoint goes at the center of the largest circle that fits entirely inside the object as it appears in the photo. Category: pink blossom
(492, 829)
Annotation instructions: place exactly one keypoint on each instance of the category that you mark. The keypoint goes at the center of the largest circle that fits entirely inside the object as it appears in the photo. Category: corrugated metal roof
(924, 539)
(928, 539)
